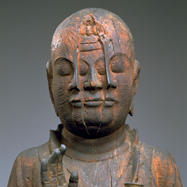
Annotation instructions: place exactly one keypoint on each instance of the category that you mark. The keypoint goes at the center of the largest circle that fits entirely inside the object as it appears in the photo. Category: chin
(93, 122)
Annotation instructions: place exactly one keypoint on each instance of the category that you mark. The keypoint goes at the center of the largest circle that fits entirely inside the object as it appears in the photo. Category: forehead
(65, 41)
(90, 55)
(72, 54)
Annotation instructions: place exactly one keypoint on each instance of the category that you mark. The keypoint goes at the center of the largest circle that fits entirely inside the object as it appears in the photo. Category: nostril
(112, 84)
(70, 86)
(73, 87)
(92, 85)
(86, 85)
(100, 86)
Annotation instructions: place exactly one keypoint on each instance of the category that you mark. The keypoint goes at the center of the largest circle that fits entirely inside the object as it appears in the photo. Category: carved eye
(119, 63)
(100, 66)
(83, 68)
(63, 67)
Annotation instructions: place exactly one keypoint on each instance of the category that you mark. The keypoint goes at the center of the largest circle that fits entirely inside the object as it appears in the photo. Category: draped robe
(155, 167)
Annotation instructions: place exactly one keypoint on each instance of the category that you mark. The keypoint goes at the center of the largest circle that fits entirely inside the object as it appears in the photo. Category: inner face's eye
(100, 66)
(119, 63)
(63, 67)
(83, 68)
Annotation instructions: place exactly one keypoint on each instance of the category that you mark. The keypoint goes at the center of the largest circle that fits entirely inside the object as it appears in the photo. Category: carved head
(92, 74)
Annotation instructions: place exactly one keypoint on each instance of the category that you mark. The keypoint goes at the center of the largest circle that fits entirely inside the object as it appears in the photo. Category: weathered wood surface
(93, 77)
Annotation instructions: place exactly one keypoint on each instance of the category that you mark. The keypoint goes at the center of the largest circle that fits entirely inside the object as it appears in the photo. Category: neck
(95, 149)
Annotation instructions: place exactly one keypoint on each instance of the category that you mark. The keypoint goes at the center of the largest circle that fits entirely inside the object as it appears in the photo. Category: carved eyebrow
(123, 54)
(56, 62)
(100, 58)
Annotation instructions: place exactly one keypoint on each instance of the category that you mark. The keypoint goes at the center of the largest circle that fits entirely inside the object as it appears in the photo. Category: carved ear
(49, 71)
(136, 75)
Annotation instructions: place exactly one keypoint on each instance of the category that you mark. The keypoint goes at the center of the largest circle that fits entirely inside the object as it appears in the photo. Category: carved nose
(74, 85)
(111, 83)
(92, 85)
(94, 82)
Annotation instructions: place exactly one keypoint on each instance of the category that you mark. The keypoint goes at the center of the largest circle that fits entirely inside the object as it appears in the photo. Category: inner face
(93, 97)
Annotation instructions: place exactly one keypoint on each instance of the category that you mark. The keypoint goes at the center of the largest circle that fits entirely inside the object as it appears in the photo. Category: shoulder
(28, 153)
(35, 153)
(162, 164)
(27, 166)
(155, 152)
(158, 158)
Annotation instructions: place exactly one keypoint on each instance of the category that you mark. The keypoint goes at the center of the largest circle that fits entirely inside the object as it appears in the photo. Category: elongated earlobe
(131, 111)
(50, 79)
(136, 74)
(49, 71)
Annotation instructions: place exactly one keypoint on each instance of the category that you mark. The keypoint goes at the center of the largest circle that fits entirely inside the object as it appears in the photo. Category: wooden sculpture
(93, 77)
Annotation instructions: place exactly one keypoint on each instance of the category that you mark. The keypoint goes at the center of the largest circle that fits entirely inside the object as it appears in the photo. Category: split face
(93, 93)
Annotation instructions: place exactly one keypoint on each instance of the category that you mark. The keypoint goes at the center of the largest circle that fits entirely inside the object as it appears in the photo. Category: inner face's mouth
(92, 102)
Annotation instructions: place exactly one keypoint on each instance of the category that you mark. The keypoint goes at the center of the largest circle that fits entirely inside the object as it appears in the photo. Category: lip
(89, 99)
(109, 102)
(76, 102)
(109, 99)
(93, 102)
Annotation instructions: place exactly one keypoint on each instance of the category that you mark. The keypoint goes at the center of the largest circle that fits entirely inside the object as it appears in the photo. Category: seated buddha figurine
(93, 77)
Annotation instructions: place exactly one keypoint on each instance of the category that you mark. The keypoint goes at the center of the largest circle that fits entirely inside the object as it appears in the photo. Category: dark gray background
(26, 114)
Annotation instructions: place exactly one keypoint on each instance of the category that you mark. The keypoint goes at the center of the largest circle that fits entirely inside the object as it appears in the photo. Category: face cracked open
(93, 75)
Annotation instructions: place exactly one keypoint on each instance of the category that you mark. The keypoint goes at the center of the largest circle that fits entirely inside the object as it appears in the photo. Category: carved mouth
(76, 103)
(109, 99)
(109, 102)
(93, 102)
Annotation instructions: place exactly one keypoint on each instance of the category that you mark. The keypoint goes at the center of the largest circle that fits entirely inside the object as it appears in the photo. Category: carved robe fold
(156, 167)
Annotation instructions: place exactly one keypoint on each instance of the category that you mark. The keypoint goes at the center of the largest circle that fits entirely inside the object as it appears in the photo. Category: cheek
(124, 89)
(60, 87)
(61, 96)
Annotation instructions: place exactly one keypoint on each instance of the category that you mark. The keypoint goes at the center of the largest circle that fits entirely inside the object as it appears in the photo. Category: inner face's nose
(93, 82)
(92, 68)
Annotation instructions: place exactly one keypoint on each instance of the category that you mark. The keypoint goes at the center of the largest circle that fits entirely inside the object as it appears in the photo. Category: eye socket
(83, 68)
(119, 63)
(63, 67)
(100, 66)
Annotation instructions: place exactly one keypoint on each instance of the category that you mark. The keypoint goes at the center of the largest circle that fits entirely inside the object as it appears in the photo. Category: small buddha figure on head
(93, 76)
